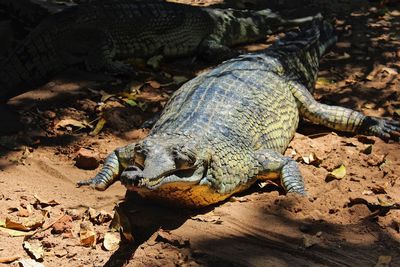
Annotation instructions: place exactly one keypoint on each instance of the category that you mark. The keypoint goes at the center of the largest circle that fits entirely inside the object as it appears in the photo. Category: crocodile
(101, 34)
(225, 129)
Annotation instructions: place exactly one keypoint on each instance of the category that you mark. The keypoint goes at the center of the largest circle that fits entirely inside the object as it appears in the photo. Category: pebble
(87, 159)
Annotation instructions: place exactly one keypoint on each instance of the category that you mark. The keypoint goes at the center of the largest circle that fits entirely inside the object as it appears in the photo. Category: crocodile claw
(387, 129)
(95, 183)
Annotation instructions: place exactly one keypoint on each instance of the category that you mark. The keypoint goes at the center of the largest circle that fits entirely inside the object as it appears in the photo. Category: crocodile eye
(183, 160)
(139, 157)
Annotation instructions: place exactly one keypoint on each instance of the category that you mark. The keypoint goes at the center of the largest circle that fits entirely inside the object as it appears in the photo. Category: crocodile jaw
(163, 180)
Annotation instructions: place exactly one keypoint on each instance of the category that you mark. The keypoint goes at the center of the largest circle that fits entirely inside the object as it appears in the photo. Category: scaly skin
(102, 34)
(225, 129)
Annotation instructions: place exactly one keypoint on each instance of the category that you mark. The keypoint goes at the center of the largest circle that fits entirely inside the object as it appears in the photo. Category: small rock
(63, 225)
(75, 214)
(87, 234)
(305, 228)
(309, 241)
(87, 159)
(49, 114)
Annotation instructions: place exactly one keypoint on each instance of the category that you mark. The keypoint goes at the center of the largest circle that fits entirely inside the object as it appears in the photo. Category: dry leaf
(369, 105)
(44, 203)
(34, 249)
(15, 233)
(338, 173)
(344, 56)
(135, 86)
(180, 79)
(105, 96)
(390, 71)
(9, 259)
(87, 234)
(154, 84)
(98, 217)
(309, 241)
(72, 122)
(25, 224)
(367, 193)
(321, 81)
(29, 263)
(130, 102)
(311, 159)
(99, 126)
(111, 241)
(383, 261)
(385, 202)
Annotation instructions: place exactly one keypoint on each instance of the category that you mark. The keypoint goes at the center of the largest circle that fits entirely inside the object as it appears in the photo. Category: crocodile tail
(301, 51)
(32, 64)
(26, 12)
(327, 37)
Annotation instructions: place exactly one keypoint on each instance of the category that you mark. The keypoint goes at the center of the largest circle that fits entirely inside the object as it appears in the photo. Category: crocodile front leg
(272, 162)
(212, 50)
(343, 119)
(114, 165)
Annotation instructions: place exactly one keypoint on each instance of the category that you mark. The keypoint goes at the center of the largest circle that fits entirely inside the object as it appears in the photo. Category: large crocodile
(225, 129)
(100, 34)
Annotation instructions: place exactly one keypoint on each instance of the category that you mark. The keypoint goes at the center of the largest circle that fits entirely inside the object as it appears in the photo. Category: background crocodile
(225, 129)
(102, 33)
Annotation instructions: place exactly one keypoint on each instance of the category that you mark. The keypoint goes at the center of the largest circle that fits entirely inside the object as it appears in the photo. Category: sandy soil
(345, 221)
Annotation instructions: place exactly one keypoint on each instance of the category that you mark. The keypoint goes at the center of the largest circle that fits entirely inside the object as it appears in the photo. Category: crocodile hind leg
(101, 58)
(114, 165)
(343, 119)
(274, 163)
(95, 48)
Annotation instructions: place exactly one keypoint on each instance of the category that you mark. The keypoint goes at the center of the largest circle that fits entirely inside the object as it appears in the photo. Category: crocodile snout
(131, 176)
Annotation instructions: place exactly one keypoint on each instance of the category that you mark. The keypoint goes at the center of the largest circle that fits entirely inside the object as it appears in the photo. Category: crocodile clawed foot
(94, 183)
(387, 129)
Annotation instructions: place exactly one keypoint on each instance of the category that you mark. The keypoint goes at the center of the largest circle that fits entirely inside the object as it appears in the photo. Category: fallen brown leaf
(154, 84)
(72, 123)
(9, 259)
(43, 203)
(15, 233)
(25, 224)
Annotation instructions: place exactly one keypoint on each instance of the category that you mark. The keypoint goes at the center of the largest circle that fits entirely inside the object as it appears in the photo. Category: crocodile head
(160, 160)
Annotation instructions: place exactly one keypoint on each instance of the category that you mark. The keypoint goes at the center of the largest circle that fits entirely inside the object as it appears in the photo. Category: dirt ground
(349, 218)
